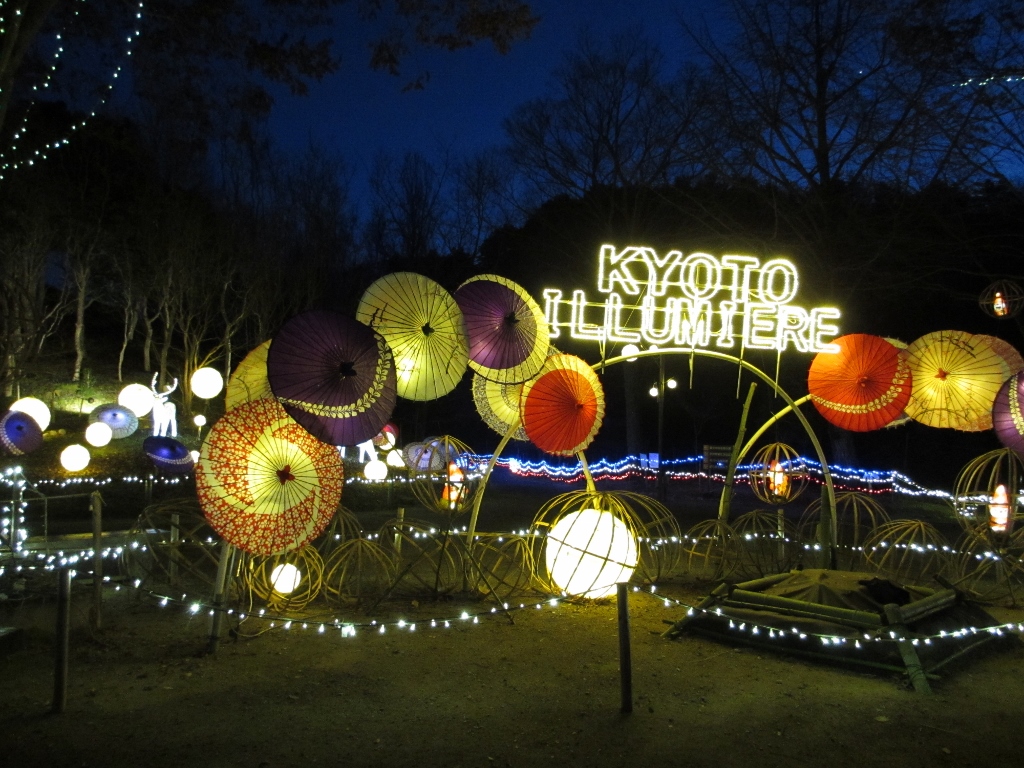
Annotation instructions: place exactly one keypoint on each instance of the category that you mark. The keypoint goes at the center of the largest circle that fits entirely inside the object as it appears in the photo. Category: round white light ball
(630, 349)
(195, 456)
(74, 458)
(98, 434)
(589, 552)
(199, 420)
(206, 383)
(35, 408)
(285, 578)
(395, 459)
(136, 398)
(375, 470)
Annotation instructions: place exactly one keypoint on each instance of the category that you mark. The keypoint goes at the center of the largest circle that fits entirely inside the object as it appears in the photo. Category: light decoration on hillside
(98, 434)
(42, 153)
(74, 458)
(206, 383)
(35, 408)
(137, 398)
(697, 301)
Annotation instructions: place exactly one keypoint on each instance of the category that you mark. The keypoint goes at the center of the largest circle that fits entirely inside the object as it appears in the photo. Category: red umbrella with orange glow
(864, 386)
(563, 406)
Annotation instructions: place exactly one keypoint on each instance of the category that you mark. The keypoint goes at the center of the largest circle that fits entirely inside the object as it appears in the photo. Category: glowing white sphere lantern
(395, 459)
(74, 458)
(375, 470)
(199, 420)
(195, 456)
(136, 398)
(630, 349)
(589, 552)
(285, 578)
(35, 408)
(206, 383)
(98, 434)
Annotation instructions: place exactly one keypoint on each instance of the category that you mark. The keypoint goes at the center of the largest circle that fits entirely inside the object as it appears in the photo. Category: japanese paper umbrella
(333, 375)
(265, 484)
(249, 380)
(168, 455)
(498, 405)
(563, 406)
(122, 421)
(424, 328)
(956, 377)
(1007, 417)
(862, 387)
(505, 328)
(19, 433)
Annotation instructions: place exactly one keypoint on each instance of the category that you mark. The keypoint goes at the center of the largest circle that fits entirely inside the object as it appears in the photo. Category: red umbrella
(864, 386)
(562, 408)
(334, 376)
(506, 329)
(265, 484)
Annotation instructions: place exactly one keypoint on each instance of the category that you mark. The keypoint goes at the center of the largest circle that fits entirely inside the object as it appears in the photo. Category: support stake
(625, 655)
(63, 641)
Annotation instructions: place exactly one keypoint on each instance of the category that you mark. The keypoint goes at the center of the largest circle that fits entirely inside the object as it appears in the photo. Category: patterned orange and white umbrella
(563, 406)
(265, 484)
(957, 376)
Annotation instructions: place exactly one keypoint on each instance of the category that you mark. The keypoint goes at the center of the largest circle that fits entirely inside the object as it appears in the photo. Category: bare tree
(407, 208)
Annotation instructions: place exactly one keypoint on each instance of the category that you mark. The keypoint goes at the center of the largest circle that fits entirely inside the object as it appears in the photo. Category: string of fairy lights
(7, 156)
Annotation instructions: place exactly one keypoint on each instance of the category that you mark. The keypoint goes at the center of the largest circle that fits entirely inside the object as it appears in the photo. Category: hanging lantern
(778, 474)
(1002, 299)
(987, 494)
(444, 474)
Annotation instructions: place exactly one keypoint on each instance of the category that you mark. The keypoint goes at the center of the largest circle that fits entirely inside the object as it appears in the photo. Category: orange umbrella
(864, 386)
(957, 376)
(563, 406)
(249, 381)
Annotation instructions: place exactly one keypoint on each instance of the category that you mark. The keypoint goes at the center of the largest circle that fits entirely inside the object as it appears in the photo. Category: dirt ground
(542, 691)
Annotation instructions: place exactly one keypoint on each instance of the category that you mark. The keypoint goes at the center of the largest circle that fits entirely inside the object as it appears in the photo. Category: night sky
(357, 112)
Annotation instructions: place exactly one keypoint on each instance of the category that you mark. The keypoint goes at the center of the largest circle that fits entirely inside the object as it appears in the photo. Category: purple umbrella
(168, 455)
(19, 433)
(1007, 419)
(507, 332)
(121, 420)
(334, 375)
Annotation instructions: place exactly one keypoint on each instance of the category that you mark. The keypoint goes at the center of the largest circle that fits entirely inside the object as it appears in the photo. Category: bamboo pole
(60, 665)
(96, 508)
(625, 653)
(227, 556)
(725, 500)
(479, 495)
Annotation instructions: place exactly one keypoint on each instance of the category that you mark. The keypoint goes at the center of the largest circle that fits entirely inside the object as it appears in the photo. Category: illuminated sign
(694, 302)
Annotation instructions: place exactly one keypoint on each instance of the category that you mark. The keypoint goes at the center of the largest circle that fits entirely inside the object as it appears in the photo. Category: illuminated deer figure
(164, 421)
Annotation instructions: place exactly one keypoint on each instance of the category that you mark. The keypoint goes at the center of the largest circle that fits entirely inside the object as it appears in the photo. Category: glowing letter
(767, 282)
(741, 267)
(552, 301)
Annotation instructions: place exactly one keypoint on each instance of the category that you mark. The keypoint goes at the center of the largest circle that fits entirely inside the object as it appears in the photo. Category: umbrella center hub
(347, 369)
(285, 474)
(511, 319)
(942, 374)
(427, 330)
(863, 381)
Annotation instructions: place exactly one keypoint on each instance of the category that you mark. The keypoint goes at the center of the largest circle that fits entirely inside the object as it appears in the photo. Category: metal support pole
(175, 541)
(625, 655)
(660, 487)
(63, 641)
(96, 507)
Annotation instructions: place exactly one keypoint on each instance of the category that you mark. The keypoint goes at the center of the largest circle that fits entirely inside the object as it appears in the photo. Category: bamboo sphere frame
(708, 550)
(159, 561)
(1012, 296)
(256, 572)
(909, 551)
(765, 543)
(976, 485)
(992, 575)
(356, 571)
(429, 486)
(762, 475)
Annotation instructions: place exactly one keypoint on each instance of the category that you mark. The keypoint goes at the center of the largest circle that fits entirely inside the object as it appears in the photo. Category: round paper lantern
(630, 349)
(137, 398)
(375, 470)
(206, 383)
(121, 420)
(1002, 299)
(19, 433)
(588, 552)
(74, 458)
(285, 578)
(35, 408)
(199, 420)
(98, 434)
(168, 455)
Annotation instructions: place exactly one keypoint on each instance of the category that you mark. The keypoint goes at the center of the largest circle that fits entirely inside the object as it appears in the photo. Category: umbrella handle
(479, 495)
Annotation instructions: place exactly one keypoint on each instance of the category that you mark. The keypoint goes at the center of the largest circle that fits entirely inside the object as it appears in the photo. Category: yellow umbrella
(249, 381)
(424, 328)
(956, 377)
(498, 405)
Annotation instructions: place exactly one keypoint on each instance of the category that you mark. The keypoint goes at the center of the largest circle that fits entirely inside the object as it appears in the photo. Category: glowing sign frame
(691, 302)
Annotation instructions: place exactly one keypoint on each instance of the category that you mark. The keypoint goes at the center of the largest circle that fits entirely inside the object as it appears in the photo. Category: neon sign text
(693, 301)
